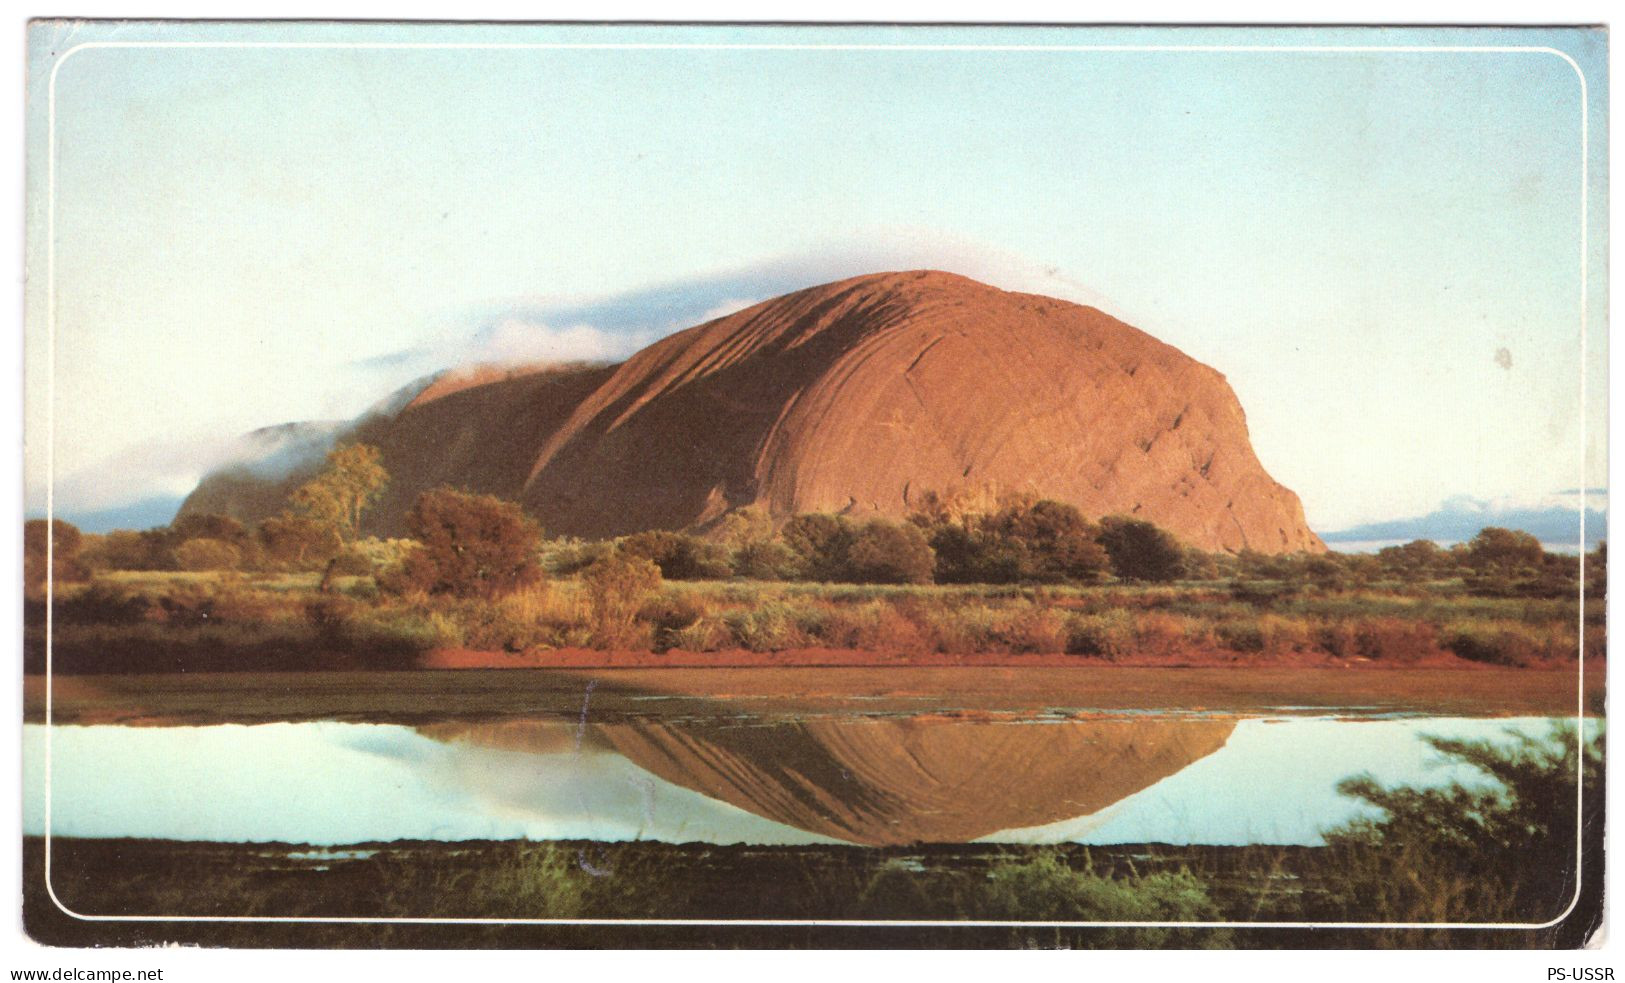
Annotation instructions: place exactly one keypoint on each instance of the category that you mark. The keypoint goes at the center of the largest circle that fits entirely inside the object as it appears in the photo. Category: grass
(131, 621)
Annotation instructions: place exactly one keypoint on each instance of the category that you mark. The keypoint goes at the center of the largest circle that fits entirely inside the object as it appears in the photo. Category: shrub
(496, 627)
(1283, 634)
(1240, 636)
(63, 541)
(880, 627)
(205, 525)
(471, 546)
(1024, 542)
(670, 617)
(678, 555)
(292, 542)
(742, 528)
(1395, 639)
(1140, 550)
(124, 549)
(1106, 635)
(820, 543)
(1336, 637)
(771, 560)
(1046, 888)
(617, 586)
(704, 635)
(1419, 559)
(380, 554)
(207, 554)
(1038, 630)
(1504, 550)
(1500, 852)
(890, 553)
(565, 557)
(1497, 643)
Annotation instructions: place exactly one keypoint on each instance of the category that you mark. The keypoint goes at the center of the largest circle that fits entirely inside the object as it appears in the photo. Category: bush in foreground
(1504, 851)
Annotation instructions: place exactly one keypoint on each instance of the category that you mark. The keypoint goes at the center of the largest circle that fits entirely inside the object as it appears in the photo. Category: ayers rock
(854, 396)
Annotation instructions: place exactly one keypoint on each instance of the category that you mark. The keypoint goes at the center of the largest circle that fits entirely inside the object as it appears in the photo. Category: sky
(1381, 250)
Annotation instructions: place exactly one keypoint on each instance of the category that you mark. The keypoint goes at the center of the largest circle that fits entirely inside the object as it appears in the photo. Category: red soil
(578, 658)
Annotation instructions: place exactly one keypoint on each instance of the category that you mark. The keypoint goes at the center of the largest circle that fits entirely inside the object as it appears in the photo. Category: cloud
(555, 328)
(613, 327)
(171, 467)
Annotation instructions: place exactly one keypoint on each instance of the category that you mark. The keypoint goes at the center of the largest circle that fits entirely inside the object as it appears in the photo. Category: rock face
(855, 396)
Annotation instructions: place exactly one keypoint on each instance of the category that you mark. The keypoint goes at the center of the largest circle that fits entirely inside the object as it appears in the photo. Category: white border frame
(50, 304)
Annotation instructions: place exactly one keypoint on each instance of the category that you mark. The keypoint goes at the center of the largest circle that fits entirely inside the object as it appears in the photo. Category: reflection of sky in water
(332, 783)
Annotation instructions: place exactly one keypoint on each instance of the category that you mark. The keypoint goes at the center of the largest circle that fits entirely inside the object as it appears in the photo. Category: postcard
(805, 486)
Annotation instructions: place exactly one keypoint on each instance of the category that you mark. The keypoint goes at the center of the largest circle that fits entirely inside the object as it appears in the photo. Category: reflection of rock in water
(533, 736)
(904, 781)
(883, 782)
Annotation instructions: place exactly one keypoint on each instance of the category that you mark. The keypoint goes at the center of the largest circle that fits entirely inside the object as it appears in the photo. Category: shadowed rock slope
(855, 396)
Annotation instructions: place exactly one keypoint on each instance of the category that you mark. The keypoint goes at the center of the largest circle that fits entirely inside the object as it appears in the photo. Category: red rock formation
(858, 396)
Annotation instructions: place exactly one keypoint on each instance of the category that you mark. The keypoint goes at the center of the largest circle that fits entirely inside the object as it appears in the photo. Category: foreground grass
(639, 881)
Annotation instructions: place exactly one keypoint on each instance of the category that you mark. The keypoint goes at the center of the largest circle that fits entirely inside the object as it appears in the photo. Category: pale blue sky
(246, 236)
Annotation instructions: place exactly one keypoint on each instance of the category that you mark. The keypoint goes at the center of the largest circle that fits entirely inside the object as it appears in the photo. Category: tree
(1505, 551)
(470, 545)
(1140, 550)
(820, 542)
(891, 553)
(1417, 560)
(1053, 539)
(208, 554)
(353, 479)
(296, 542)
(63, 541)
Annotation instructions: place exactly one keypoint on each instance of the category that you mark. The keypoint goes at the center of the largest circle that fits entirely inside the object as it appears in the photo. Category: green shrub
(1337, 637)
(1497, 852)
(1497, 643)
(566, 557)
(820, 542)
(771, 560)
(290, 542)
(766, 628)
(1108, 635)
(617, 587)
(1140, 550)
(679, 555)
(62, 541)
(670, 616)
(890, 553)
(207, 554)
(1504, 550)
(1046, 888)
(1240, 636)
(1023, 542)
